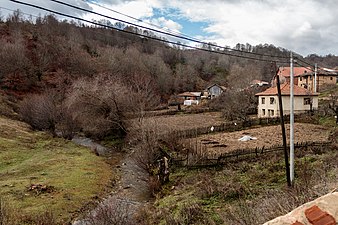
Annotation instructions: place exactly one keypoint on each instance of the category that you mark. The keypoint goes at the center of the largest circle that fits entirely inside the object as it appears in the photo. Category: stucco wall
(299, 106)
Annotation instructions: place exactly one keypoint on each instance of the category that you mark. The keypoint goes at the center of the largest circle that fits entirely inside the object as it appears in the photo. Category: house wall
(272, 110)
(215, 91)
(308, 81)
(267, 109)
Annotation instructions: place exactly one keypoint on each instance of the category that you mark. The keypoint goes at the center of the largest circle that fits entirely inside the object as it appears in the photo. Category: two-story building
(268, 105)
(284, 74)
(324, 77)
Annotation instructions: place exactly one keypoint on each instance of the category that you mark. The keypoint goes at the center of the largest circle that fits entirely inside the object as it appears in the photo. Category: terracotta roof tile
(318, 217)
(285, 71)
(285, 90)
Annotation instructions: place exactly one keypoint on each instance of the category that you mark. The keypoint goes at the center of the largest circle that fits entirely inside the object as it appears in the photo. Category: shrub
(40, 111)
(112, 212)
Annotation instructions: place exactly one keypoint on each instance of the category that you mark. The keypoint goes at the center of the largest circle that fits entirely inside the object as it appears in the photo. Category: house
(284, 74)
(215, 90)
(191, 98)
(268, 105)
(324, 77)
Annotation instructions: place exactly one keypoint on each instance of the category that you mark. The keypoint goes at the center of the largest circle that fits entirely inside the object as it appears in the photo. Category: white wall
(299, 106)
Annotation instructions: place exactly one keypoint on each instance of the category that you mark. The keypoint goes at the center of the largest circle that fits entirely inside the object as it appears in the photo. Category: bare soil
(183, 121)
(266, 136)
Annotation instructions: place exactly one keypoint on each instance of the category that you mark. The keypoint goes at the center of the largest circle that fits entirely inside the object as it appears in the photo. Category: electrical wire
(12, 10)
(165, 33)
(142, 21)
(144, 36)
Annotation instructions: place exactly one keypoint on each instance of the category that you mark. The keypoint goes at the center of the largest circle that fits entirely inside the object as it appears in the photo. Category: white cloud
(166, 24)
(303, 26)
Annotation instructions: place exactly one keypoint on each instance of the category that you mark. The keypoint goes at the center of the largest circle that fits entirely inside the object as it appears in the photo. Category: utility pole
(281, 114)
(315, 89)
(292, 150)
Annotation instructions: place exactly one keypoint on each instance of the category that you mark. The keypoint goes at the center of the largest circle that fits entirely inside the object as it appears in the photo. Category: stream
(131, 194)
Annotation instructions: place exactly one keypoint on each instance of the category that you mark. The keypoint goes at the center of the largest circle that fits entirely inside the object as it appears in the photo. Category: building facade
(268, 105)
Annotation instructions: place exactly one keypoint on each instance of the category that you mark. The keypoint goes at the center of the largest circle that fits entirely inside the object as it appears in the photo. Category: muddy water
(132, 192)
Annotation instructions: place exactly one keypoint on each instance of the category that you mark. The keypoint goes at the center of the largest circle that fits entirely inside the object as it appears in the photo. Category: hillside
(45, 178)
(52, 54)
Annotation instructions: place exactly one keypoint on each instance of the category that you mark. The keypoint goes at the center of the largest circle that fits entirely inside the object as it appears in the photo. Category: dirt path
(130, 195)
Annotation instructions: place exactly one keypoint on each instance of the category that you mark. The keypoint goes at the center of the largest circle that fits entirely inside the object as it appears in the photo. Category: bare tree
(333, 104)
(144, 95)
(100, 104)
(236, 105)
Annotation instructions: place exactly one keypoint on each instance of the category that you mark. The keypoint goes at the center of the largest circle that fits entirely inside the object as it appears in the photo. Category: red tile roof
(318, 217)
(285, 90)
(285, 71)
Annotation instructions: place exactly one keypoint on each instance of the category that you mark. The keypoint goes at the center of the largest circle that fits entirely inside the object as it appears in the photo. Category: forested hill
(48, 53)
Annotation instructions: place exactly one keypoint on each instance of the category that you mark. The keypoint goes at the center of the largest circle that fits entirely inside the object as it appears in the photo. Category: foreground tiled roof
(285, 71)
(285, 90)
(322, 211)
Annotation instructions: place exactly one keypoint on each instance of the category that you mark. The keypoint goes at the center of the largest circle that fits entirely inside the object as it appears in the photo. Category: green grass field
(74, 176)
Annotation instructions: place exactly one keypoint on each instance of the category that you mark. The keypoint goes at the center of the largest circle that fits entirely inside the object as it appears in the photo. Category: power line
(165, 33)
(141, 35)
(12, 10)
(142, 21)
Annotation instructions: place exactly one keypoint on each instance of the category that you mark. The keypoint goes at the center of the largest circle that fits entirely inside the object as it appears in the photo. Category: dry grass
(242, 192)
(182, 121)
(266, 136)
(73, 174)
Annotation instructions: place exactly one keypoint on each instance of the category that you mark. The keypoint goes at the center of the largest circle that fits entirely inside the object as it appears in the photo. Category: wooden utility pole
(286, 157)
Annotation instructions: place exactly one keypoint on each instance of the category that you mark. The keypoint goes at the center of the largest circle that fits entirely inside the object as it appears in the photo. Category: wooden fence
(200, 158)
(236, 126)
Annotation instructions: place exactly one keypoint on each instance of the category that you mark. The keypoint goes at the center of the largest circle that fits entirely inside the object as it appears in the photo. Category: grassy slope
(27, 157)
(245, 192)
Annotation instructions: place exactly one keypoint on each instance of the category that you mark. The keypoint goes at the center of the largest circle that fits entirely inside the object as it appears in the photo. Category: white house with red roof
(191, 98)
(268, 105)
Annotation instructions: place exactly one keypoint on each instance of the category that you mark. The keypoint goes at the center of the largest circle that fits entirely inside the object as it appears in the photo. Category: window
(263, 112)
(307, 101)
(331, 78)
(272, 100)
(300, 78)
(272, 112)
(263, 100)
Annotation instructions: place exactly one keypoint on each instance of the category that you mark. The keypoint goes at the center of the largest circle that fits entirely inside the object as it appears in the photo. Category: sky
(303, 26)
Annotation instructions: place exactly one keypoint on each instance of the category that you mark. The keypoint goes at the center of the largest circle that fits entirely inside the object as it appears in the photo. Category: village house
(214, 90)
(324, 78)
(190, 98)
(268, 105)
(284, 74)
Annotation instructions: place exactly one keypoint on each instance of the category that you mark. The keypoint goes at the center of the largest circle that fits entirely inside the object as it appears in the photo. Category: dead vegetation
(244, 192)
(266, 136)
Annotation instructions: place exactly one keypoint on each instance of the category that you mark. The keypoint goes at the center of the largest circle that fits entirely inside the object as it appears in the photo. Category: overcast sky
(304, 26)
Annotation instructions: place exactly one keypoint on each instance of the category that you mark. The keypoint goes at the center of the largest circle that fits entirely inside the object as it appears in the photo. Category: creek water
(131, 192)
